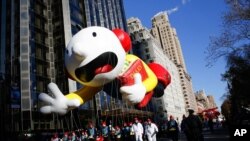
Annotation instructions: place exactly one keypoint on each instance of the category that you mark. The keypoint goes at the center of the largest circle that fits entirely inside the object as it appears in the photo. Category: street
(219, 134)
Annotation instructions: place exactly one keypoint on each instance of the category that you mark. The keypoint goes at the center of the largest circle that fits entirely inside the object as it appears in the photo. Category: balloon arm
(59, 103)
(56, 102)
(151, 81)
(145, 100)
(84, 94)
(161, 73)
(134, 93)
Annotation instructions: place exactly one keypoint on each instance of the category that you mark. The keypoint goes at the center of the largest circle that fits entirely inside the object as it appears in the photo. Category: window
(23, 2)
(39, 86)
(24, 31)
(24, 15)
(24, 48)
(38, 37)
(140, 34)
(160, 108)
(38, 53)
(37, 22)
(39, 68)
(38, 9)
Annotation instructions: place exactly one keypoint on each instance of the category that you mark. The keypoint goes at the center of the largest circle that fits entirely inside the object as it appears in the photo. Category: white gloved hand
(135, 93)
(57, 104)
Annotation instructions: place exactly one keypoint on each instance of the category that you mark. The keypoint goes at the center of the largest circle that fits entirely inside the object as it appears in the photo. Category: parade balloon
(97, 56)
(210, 113)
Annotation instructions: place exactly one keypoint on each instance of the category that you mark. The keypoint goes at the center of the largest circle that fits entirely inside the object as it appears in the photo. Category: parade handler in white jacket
(138, 130)
(151, 131)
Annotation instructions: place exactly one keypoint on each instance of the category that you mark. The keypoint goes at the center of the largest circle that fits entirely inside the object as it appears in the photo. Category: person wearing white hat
(138, 130)
(151, 130)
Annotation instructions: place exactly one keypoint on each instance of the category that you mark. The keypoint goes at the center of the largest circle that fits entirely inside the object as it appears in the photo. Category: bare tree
(233, 43)
(235, 32)
(225, 108)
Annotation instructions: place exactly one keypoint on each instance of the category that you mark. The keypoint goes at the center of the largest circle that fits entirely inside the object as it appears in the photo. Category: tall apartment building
(148, 49)
(201, 97)
(203, 101)
(200, 107)
(34, 34)
(211, 100)
(167, 36)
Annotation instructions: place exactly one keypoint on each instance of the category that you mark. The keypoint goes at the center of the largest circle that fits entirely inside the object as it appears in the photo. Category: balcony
(40, 43)
(39, 13)
(126, 112)
(39, 29)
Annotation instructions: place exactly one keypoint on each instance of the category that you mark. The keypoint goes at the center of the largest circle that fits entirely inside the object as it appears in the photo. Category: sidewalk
(219, 134)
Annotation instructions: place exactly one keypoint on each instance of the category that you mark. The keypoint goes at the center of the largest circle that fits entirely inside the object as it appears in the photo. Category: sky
(195, 21)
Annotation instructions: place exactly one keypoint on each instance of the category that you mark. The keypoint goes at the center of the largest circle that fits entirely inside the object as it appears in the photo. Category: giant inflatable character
(211, 113)
(95, 57)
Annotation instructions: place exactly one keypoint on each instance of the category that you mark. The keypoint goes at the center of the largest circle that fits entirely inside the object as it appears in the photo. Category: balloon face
(94, 56)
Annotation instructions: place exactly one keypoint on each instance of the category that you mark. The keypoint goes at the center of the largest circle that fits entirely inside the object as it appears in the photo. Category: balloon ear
(124, 39)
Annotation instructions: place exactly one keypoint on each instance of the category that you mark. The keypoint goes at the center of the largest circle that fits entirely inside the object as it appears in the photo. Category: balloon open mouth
(104, 63)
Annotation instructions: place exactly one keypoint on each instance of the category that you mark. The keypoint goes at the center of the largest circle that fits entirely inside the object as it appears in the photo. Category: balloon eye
(94, 34)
